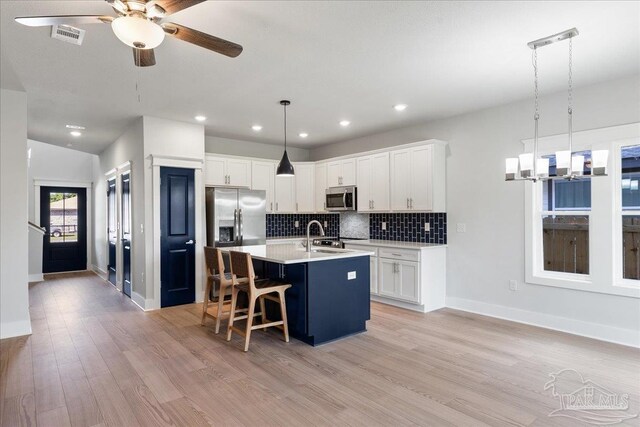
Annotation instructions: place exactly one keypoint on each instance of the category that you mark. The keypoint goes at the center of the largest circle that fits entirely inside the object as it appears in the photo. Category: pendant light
(569, 166)
(285, 168)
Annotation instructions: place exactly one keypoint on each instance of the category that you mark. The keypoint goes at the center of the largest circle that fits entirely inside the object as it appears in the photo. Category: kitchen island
(329, 294)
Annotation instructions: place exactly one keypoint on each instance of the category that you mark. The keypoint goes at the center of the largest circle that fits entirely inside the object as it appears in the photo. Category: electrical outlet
(384, 226)
(513, 285)
(427, 227)
(351, 275)
(296, 224)
(461, 227)
(326, 224)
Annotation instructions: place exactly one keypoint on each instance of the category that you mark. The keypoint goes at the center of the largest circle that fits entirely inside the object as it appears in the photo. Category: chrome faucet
(309, 231)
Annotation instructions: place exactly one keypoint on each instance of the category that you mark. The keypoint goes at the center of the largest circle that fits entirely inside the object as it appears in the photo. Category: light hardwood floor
(96, 359)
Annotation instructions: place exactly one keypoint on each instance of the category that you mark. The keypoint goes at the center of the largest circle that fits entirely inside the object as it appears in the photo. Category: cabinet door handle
(411, 200)
(276, 206)
(407, 203)
(297, 207)
(373, 204)
(271, 205)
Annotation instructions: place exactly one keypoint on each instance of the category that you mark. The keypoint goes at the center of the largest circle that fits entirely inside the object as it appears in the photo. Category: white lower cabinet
(412, 278)
(373, 274)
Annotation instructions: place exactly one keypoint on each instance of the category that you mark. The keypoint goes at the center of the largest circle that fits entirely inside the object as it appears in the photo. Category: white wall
(481, 261)
(52, 163)
(236, 147)
(127, 148)
(14, 291)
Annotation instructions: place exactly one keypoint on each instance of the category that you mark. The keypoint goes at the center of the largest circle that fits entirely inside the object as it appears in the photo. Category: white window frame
(605, 220)
(619, 280)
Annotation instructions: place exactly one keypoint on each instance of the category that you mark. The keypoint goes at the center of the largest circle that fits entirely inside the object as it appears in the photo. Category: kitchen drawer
(365, 248)
(403, 254)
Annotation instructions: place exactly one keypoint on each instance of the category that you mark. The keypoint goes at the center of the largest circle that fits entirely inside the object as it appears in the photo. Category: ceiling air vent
(68, 34)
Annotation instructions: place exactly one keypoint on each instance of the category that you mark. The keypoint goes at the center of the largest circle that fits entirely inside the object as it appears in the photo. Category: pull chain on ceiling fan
(139, 25)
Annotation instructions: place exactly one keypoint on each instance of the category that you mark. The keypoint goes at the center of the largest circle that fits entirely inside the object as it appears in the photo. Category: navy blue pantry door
(177, 236)
(63, 213)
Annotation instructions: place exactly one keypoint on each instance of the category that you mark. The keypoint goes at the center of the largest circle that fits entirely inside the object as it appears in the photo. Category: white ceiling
(333, 60)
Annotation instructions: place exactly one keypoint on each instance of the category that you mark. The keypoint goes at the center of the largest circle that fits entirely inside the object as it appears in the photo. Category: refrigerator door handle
(240, 228)
(235, 224)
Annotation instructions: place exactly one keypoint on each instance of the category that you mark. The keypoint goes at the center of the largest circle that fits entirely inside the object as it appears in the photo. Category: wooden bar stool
(217, 279)
(241, 266)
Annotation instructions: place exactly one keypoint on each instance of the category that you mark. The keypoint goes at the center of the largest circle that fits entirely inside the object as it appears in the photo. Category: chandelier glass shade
(568, 165)
(285, 168)
(138, 32)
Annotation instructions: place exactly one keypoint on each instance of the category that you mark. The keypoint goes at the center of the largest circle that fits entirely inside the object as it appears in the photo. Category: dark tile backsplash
(283, 225)
(409, 227)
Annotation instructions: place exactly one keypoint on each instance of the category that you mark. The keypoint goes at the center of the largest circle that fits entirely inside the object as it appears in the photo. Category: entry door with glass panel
(63, 213)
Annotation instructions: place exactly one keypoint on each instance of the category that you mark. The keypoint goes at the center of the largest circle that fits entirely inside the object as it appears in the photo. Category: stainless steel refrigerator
(235, 217)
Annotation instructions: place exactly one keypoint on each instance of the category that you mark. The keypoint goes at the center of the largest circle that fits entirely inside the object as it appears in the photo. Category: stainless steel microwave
(342, 199)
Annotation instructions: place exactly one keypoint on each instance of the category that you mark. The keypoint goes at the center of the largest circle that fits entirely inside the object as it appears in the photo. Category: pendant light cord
(285, 127)
(570, 95)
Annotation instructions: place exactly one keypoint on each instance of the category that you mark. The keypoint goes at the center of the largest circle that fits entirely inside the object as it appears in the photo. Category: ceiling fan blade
(42, 21)
(173, 6)
(144, 57)
(201, 39)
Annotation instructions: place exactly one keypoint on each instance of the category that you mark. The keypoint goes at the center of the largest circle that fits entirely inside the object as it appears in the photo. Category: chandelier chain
(570, 94)
(535, 81)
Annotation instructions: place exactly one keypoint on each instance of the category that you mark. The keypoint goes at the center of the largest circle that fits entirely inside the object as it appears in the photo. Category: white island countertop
(294, 253)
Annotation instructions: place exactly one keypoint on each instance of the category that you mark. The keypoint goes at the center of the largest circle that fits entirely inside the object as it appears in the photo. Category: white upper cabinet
(320, 187)
(285, 194)
(263, 177)
(418, 179)
(373, 182)
(221, 171)
(304, 181)
(215, 171)
(341, 172)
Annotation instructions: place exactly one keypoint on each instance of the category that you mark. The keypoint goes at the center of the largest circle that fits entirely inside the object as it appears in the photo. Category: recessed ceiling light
(303, 134)
(400, 107)
(75, 133)
(75, 127)
(256, 128)
(345, 123)
(200, 118)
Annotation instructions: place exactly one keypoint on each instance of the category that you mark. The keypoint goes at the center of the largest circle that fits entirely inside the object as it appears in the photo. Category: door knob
(189, 242)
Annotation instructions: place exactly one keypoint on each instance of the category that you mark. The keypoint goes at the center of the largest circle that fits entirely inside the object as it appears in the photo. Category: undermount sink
(324, 251)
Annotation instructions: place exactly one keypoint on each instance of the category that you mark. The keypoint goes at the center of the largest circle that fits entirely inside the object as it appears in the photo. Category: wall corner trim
(141, 302)
(598, 331)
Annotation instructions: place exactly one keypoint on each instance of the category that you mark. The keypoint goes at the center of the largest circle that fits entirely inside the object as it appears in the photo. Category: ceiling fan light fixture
(154, 10)
(138, 32)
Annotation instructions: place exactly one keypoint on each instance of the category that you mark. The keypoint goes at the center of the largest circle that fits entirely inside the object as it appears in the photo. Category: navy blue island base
(326, 301)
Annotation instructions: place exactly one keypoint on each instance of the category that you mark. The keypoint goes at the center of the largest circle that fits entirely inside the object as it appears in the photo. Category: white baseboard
(15, 329)
(100, 272)
(397, 303)
(628, 337)
(38, 277)
(141, 302)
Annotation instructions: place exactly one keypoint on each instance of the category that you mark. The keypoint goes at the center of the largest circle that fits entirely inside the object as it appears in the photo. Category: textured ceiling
(333, 60)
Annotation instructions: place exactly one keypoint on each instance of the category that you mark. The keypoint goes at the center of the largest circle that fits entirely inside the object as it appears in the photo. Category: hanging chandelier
(285, 168)
(569, 165)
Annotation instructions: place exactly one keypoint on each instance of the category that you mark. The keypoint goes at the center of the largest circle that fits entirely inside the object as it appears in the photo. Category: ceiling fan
(139, 25)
